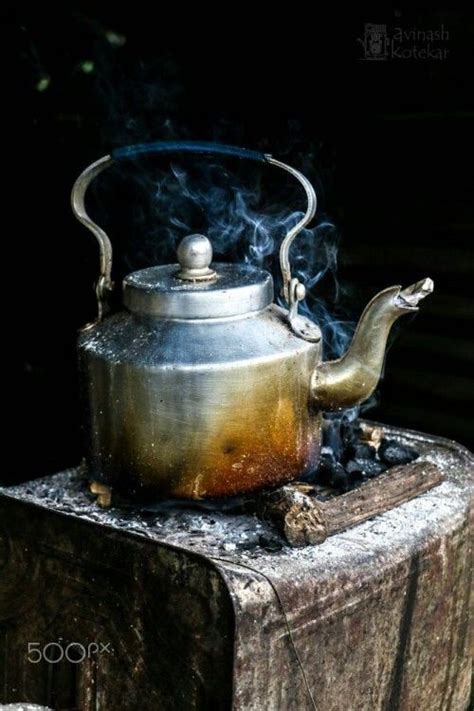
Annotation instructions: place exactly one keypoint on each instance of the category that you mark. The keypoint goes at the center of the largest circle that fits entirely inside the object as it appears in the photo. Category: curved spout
(352, 379)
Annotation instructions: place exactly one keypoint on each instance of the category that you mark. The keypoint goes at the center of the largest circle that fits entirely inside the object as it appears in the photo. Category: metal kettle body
(202, 386)
(198, 409)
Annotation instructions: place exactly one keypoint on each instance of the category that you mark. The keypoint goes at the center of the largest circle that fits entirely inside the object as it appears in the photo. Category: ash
(241, 539)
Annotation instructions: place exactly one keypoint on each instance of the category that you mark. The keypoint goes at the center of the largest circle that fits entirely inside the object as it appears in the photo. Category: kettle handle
(293, 289)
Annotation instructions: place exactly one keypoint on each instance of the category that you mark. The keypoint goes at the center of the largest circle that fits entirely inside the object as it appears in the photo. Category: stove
(177, 608)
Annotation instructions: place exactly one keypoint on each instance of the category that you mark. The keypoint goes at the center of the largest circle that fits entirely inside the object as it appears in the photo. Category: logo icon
(375, 42)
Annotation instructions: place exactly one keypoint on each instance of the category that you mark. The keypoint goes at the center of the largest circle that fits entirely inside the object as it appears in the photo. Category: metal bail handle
(293, 289)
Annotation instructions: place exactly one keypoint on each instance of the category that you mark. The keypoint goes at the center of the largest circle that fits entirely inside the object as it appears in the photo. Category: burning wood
(304, 520)
(361, 475)
(295, 514)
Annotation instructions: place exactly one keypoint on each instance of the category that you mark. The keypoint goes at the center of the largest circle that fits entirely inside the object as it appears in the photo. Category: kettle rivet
(195, 256)
(300, 291)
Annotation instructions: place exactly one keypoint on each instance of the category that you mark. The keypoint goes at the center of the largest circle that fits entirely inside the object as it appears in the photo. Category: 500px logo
(73, 652)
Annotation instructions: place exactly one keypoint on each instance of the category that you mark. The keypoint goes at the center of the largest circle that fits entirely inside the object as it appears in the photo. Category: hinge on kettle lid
(301, 326)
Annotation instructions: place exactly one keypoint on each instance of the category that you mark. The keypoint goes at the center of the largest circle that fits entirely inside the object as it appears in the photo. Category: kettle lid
(195, 289)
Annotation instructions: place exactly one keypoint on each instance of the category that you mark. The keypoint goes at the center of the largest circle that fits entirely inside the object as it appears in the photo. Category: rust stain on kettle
(263, 434)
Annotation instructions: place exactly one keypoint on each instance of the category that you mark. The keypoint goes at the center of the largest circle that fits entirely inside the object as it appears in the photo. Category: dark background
(388, 144)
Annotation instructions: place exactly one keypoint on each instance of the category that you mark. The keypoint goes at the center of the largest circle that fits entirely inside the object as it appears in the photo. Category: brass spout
(350, 380)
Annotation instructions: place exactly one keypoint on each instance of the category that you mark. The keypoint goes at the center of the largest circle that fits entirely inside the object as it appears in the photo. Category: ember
(353, 452)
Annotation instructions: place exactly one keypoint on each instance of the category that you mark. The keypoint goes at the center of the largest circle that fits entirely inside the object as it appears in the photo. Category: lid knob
(194, 257)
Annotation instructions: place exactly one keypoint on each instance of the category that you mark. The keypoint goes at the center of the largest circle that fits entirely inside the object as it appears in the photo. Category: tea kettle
(202, 386)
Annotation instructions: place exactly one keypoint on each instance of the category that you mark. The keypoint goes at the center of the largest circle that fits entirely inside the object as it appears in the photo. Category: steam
(246, 215)
(245, 211)
(243, 225)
